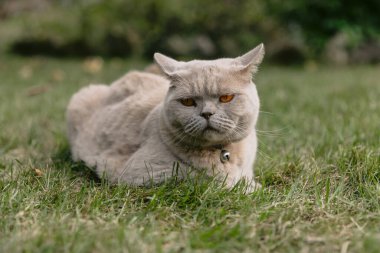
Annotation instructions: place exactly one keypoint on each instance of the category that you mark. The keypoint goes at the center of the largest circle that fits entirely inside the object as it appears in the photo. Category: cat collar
(224, 156)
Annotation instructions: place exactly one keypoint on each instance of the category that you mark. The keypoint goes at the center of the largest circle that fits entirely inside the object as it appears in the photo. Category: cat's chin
(212, 136)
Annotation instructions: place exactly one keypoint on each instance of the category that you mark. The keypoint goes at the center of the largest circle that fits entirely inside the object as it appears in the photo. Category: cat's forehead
(207, 78)
(217, 63)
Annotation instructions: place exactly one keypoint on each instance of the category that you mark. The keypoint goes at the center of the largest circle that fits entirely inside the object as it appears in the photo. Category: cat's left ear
(250, 61)
(167, 64)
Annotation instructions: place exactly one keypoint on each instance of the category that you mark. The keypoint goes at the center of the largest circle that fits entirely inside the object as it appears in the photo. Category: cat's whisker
(224, 127)
(262, 144)
(262, 152)
(239, 129)
(265, 112)
(225, 120)
(190, 126)
(175, 139)
(272, 133)
(274, 130)
(264, 155)
(182, 137)
(224, 124)
(194, 128)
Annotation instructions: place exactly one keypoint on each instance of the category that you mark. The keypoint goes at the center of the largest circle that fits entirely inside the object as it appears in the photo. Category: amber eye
(226, 98)
(188, 102)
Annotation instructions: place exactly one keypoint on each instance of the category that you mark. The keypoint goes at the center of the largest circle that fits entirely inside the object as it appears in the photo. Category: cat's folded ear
(250, 61)
(167, 64)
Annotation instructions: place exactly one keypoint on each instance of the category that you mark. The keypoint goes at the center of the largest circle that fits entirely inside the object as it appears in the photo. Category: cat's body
(134, 130)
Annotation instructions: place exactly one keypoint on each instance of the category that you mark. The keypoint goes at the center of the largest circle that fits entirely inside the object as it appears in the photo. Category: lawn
(319, 164)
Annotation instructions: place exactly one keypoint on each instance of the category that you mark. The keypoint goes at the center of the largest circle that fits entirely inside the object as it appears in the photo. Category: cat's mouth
(210, 128)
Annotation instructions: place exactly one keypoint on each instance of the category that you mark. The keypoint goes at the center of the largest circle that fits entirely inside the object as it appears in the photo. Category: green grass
(319, 163)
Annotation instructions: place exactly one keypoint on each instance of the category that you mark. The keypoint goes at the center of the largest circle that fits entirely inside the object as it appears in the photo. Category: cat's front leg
(238, 175)
(152, 163)
(253, 186)
(249, 185)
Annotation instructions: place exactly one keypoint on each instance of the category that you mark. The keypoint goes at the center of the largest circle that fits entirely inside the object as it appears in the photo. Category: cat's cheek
(175, 120)
(184, 119)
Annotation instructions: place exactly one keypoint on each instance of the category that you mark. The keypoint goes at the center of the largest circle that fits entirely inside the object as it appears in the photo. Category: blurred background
(294, 31)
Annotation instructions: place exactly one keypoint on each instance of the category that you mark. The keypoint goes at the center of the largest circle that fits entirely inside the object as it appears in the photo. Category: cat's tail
(82, 105)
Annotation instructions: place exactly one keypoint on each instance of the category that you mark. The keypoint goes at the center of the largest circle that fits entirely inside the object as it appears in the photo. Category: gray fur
(134, 130)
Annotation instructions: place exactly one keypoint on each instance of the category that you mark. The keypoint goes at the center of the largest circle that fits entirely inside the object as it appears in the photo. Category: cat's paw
(253, 186)
(247, 187)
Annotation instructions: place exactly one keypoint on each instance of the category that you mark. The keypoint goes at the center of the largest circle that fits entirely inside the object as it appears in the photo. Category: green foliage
(139, 28)
(320, 20)
(293, 29)
(143, 27)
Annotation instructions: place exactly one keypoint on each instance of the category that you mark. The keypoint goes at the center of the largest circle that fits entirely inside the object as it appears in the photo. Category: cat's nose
(206, 115)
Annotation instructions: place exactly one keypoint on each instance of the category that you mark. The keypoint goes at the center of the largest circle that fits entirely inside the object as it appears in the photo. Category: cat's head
(211, 102)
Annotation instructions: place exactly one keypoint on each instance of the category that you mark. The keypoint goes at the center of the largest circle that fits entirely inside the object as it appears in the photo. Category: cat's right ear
(167, 64)
(251, 60)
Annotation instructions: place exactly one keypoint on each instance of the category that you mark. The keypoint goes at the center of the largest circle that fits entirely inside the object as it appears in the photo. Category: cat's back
(133, 97)
(115, 123)
(138, 82)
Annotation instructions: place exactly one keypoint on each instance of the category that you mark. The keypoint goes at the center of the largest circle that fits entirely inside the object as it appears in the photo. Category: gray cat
(202, 115)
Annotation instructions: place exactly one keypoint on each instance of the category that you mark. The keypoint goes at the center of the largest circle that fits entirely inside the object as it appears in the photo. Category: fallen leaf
(315, 239)
(57, 75)
(38, 172)
(26, 72)
(93, 65)
(344, 247)
(36, 90)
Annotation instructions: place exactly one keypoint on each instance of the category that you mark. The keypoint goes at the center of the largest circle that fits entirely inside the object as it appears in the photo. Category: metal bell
(224, 156)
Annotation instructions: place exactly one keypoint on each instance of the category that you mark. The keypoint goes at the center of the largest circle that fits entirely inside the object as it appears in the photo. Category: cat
(199, 114)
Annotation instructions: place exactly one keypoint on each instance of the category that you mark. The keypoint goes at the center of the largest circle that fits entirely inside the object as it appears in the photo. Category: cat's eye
(226, 98)
(188, 102)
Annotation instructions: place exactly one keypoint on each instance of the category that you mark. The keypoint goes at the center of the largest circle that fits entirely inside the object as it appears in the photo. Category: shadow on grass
(62, 158)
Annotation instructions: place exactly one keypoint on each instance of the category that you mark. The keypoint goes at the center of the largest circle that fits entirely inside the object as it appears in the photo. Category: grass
(319, 163)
